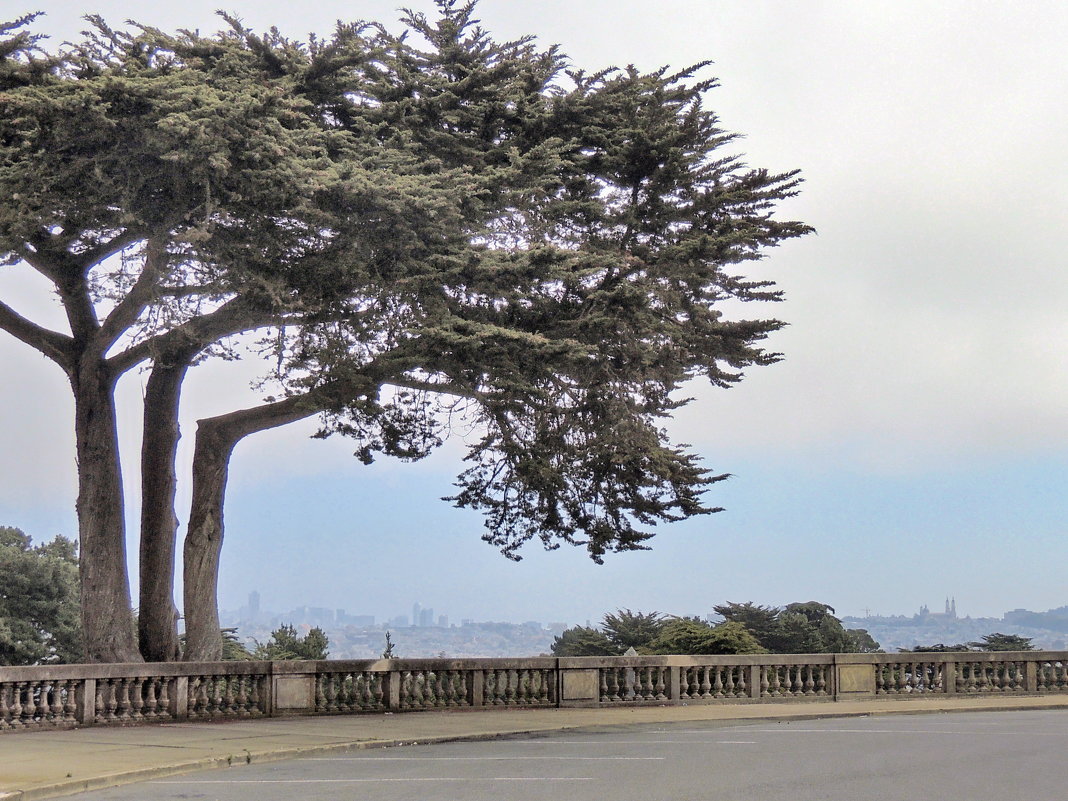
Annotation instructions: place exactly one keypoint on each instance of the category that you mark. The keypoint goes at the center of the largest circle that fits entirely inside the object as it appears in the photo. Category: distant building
(949, 614)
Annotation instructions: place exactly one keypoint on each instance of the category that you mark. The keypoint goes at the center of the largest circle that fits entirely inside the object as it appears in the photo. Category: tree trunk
(106, 614)
(157, 620)
(216, 438)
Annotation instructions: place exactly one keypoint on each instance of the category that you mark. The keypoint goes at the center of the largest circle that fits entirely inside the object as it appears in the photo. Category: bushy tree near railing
(38, 600)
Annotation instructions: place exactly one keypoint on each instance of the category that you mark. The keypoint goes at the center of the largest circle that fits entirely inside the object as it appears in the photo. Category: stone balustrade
(65, 696)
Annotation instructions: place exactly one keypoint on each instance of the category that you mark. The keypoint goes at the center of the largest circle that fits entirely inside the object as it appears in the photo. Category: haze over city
(912, 444)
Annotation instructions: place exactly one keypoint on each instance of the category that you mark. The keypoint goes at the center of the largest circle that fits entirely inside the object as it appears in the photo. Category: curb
(72, 786)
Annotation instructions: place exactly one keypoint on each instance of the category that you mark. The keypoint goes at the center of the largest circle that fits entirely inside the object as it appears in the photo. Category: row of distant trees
(746, 628)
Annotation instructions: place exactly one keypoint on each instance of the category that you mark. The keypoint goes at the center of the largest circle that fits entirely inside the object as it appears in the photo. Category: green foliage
(863, 642)
(689, 636)
(761, 621)
(938, 648)
(233, 649)
(583, 641)
(285, 644)
(1003, 642)
(990, 642)
(799, 628)
(39, 615)
(626, 629)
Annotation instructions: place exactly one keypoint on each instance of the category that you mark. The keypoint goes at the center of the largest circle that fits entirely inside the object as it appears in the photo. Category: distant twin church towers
(949, 614)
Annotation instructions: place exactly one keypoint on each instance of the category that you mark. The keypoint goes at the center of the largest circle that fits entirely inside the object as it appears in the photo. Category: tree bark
(215, 442)
(157, 621)
(106, 615)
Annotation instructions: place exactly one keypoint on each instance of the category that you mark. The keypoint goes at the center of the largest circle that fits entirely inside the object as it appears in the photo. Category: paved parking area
(978, 756)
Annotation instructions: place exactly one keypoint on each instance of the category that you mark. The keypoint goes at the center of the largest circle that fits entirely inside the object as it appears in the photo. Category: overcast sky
(912, 445)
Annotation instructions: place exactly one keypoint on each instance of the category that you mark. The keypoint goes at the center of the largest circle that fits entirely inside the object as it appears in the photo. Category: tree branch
(54, 345)
(136, 300)
(69, 279)
(233, 317)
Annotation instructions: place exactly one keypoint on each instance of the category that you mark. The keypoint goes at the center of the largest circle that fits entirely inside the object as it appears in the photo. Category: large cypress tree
(412, 231)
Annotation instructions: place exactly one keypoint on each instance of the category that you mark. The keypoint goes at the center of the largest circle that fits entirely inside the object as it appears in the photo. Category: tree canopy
(409, 228)
(38, 600)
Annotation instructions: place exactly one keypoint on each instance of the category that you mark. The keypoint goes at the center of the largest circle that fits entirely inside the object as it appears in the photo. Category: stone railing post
(1030, 676)
(477, 687)
(580, 681)
(753, 680)
(674, 674)
(949, 677)
(853, 676)
(179, 698)
(292, 688)
(86, 701)
(392, 694)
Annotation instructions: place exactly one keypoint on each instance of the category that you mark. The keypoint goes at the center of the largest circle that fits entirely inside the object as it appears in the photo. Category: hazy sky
(913, 444)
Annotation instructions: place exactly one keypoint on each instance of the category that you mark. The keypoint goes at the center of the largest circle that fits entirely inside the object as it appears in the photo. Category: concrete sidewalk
(47, 764)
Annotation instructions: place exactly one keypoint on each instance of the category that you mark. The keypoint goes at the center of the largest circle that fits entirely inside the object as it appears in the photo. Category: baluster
(380, 691)
(443, 687)
(764, 683)
(135, 696)
(111, 701)
(241, 696)
(430, 688)
(225, 685)
(148, 711)
(16, 705)
(196, 699)
(739, 684)
(705, 687)
(774, 685)
(660, 685)
(728, 685)
(415, 688)
(608, 684)
(5, 707)
(685, 678)
(809, 685)
(163, 698)
(70, 702)
(970, 683)
(257, 696)
(511, 686)
(533, 680)
(880, 681)
(43, 713)
(363, 691)
(329, 690)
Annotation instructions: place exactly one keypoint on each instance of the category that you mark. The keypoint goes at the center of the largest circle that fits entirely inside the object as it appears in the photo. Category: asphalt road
(975, 757)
